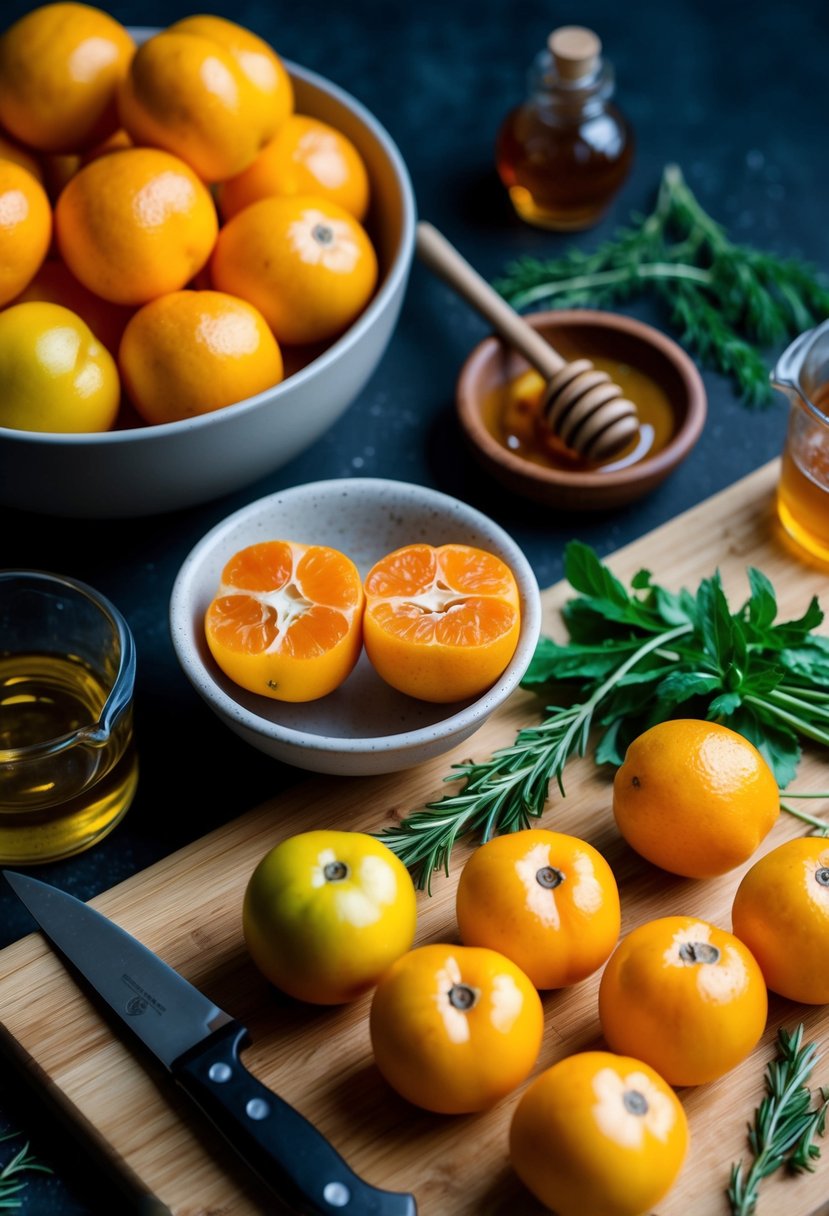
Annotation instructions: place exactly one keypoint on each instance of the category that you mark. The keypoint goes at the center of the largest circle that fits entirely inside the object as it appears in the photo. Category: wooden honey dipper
(582, 407)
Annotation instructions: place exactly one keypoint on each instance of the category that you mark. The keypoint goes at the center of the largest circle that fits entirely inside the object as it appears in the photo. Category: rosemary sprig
(11, 1182)
(727, 302)
(504, 793)
(636, 658)
(785, 1124)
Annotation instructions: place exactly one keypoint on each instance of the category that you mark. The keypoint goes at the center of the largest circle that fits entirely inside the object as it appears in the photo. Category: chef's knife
(199, 1043)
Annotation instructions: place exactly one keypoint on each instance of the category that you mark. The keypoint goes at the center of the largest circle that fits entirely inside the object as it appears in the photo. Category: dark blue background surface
(734, 93)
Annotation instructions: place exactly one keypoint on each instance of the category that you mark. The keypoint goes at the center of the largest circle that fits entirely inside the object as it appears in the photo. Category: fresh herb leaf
(724, 706)
(762, 606)
(785, 1123)
(587, 574)
(679, 686)
(631, 660)
(728, 303)
(11, 1181)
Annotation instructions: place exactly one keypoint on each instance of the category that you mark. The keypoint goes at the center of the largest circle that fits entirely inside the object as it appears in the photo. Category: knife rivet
(220, 1072)
(337, 1194)
(257, 1108)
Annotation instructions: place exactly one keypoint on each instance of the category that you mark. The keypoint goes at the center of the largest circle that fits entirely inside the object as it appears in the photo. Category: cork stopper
(575, 51)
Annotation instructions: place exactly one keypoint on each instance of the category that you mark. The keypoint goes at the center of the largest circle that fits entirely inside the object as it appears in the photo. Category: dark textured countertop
(731, 92)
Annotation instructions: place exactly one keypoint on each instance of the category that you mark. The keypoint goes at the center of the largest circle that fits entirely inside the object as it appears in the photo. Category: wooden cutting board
(188, 909)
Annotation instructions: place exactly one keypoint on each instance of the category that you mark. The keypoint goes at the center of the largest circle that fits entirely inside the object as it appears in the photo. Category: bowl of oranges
(357, 625)
(203, 256)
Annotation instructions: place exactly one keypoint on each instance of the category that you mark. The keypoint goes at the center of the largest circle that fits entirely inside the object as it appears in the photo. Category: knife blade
(200, 1045)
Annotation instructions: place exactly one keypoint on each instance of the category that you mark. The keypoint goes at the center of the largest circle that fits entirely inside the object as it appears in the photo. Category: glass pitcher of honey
(802, 373)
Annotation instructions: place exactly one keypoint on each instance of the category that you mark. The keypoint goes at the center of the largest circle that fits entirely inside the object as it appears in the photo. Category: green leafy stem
(635, 658)
(729, 303)
(785, 1123)
(12, 1182)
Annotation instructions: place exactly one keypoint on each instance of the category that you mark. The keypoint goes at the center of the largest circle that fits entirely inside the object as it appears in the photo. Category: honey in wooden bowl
(498, 404)
(512, 413)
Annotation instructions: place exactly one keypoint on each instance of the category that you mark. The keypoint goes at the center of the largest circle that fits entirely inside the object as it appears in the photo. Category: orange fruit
(256, 59)
(686, 997)
(307, 265)
(455, 1028)
(544, 899)
(58, 169)
(326, 912)
(60, 66)
(441, 623)
(54, 373)
(135, 225)
(55, 284)
(781, 912)
(694, 797)
(11, 150)
(599, 1134)
(305, 156)
(25, 228)
(191, 352)
(285, 621)
(212, 99)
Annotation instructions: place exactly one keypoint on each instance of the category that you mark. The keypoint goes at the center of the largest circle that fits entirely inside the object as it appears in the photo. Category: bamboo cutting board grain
(188, 909)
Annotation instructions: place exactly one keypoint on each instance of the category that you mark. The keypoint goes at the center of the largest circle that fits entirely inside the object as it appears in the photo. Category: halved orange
(286, 621)
(441, 623)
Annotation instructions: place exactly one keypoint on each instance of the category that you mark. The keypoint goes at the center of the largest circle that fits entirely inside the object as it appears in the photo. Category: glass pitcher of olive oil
(802, 373)
(68, 764)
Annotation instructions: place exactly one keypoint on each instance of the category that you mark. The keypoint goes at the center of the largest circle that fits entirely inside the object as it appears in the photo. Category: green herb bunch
(728, 303)
(12, 1182)
(633, 658)
(785, 1123)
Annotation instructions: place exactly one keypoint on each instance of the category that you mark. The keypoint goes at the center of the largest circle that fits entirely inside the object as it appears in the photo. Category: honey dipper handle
(441, 257)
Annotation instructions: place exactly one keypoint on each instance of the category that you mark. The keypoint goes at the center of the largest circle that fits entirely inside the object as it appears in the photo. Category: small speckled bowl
(576, 333)
(365, 726)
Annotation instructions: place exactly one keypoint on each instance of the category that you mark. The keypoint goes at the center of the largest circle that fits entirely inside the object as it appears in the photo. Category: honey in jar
(567, 149)
(803, 491)
(802, 373)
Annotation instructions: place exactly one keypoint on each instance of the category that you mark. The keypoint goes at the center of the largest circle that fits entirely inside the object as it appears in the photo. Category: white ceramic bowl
(364, 726)
(151, 469)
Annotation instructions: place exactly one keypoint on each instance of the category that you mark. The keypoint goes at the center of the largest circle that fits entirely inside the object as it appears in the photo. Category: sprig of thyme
(785, 1123)
(11, 1182)
(727, 302)
(635, 658)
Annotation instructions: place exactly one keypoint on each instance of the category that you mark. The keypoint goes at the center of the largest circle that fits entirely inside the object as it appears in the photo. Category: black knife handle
(290, 1155)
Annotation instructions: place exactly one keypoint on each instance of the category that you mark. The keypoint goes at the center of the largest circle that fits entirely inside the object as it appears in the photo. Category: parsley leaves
(634, 658)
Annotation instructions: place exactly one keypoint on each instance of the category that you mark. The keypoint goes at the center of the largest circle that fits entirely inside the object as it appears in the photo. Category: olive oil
(64, 781)
(512, 414)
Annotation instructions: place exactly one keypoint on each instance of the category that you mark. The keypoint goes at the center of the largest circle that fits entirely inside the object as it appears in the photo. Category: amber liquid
(561, 176)
(803, 494)
(512, 413)
(58, 804)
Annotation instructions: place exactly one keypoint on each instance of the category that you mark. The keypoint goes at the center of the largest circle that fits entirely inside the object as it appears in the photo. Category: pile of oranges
(168, 222)
(456, 1024)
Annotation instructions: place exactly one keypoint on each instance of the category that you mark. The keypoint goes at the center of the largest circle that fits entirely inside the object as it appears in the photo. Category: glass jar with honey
(802, 373)
(567, 149)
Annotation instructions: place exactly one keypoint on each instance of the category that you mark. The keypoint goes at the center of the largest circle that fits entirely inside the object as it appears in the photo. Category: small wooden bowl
(591, 333)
